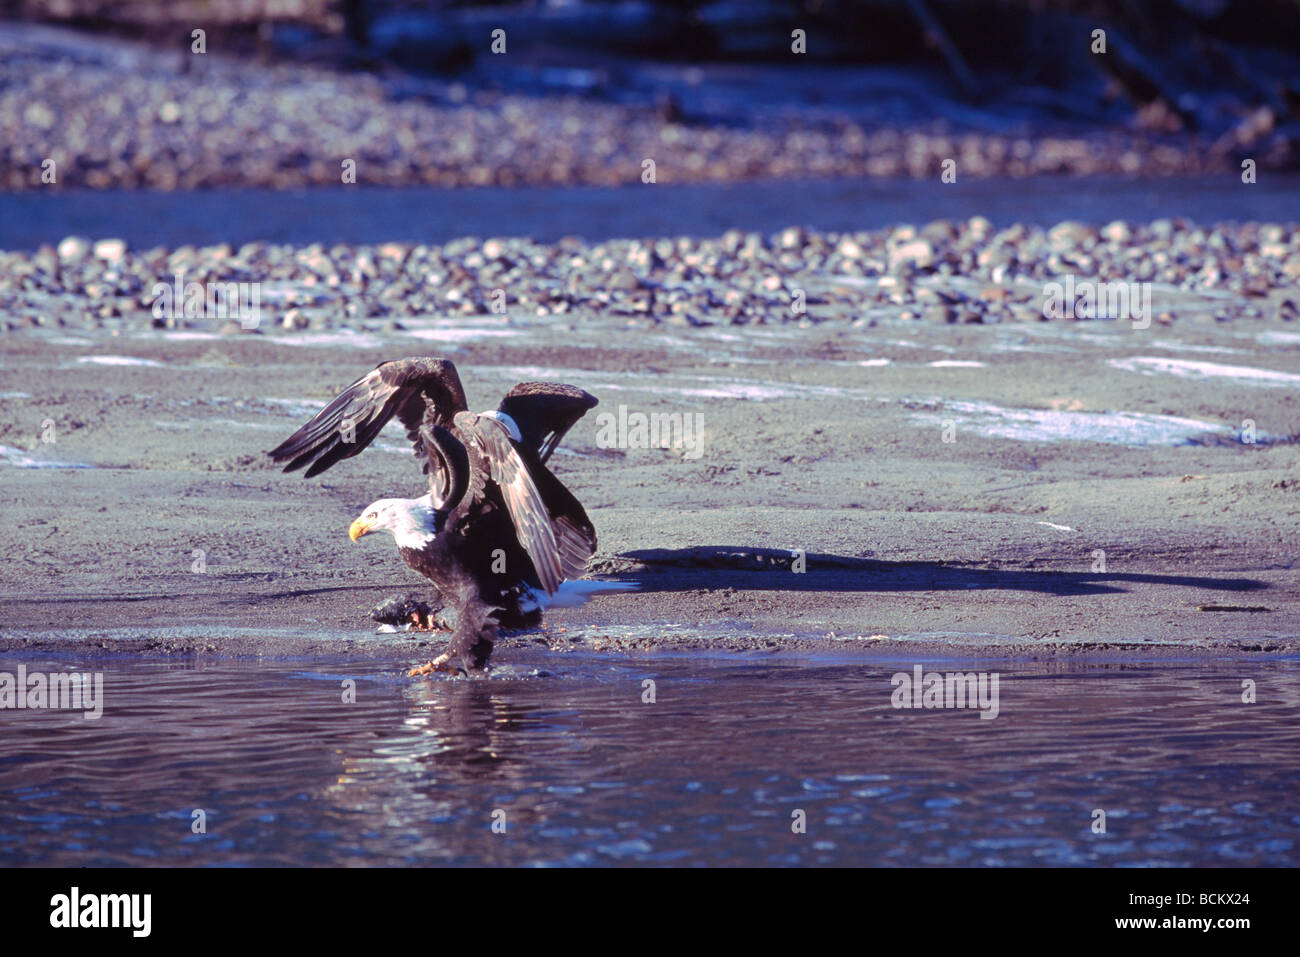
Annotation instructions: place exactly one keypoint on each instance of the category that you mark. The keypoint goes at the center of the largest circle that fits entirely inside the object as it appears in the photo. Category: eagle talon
(440, 664)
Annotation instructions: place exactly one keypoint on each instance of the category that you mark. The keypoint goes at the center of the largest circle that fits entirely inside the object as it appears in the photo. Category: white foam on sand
(344, 337)
(955, 364)
(1045, 425)
(180, 335)
(913, 344)
(710, 332)
(460, 334)
(21, 460)
(1279, 338)
(1172, 345)
(736, 390)
(121, 361)
(666, 384)
(1190, 369)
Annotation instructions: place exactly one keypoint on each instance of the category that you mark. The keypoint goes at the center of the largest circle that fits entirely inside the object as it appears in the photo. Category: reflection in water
(582, 771)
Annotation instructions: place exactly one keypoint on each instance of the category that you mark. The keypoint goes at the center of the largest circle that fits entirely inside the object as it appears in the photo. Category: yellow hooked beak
(358, 528)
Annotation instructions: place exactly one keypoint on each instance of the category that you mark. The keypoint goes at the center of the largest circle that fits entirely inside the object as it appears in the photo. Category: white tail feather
(573, 594)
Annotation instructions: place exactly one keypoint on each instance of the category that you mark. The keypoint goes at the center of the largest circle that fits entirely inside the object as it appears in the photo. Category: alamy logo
(60, 690)
(935, 689)
(211, 300)
(1098, 300)
(653, 430)
(103, 910)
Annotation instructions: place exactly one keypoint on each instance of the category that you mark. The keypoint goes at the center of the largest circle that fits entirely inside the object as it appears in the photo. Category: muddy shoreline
(825, 440)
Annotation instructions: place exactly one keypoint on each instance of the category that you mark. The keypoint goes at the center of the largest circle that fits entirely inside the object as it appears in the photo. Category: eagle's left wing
(544, 411)
(418, 390)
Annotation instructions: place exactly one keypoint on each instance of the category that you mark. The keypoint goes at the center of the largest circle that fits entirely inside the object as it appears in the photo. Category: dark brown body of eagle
(497, 532)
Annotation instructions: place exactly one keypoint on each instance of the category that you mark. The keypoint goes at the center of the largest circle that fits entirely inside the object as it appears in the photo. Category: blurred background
(119, 96)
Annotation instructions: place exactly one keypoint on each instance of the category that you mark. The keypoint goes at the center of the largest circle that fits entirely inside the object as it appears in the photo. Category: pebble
(73, 249)
(1116, 232)
(110, 250)
(945, 272)
(295, 319)
(1069, 234)
(919, 252)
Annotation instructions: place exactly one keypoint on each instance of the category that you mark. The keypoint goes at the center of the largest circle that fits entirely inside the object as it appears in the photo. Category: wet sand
(1069, 439)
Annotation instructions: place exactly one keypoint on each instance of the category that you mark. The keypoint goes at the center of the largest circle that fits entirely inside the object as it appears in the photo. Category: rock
(74, 249)
(622, 280)
(939, 314)
(1117, 232)
(792, 238)
(295, 319)
(110, 250)
(1069, 233)
(916, 251)
(40, 116)
(939, 231)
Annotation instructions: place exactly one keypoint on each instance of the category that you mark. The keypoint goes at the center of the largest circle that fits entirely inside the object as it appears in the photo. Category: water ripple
(574, 769)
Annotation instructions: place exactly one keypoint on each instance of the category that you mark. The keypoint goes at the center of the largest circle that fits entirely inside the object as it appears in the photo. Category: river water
(595, 213)
(562, 759)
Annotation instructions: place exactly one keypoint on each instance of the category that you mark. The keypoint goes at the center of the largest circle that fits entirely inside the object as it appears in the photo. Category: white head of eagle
(413, 521)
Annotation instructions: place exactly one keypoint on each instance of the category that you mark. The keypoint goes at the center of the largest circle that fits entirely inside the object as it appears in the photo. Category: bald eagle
(497, 532)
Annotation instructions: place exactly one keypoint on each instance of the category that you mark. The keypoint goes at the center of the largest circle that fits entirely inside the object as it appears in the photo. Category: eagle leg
(471, 643)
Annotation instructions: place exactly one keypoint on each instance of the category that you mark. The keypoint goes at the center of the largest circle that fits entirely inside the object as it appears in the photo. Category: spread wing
(418, 390)
(447, 462)
(575, 536)
(499, 461)
(544, 411)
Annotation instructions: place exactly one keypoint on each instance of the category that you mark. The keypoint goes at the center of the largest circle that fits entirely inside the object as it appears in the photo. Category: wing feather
(527, 510)
(575, 536)
(416, 389)
(545, 411)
